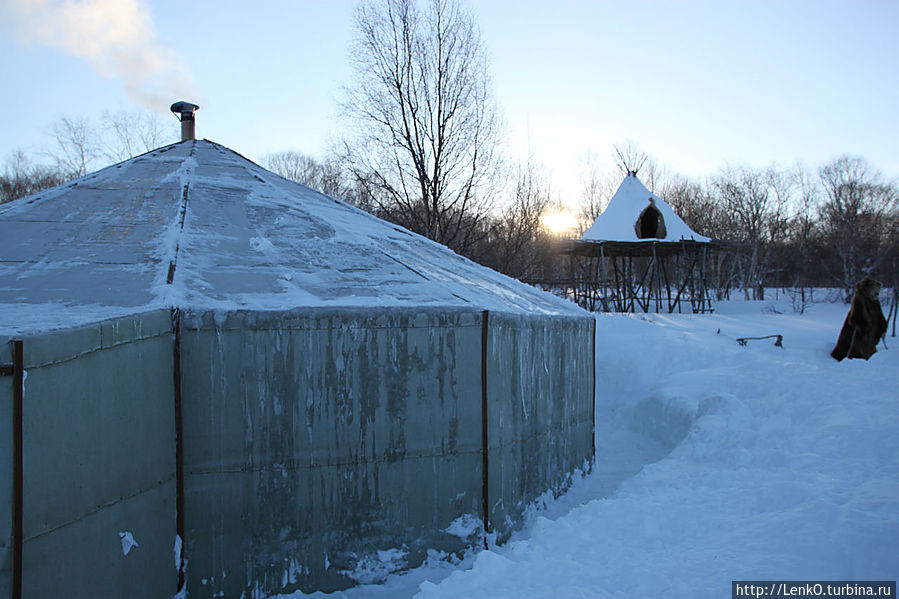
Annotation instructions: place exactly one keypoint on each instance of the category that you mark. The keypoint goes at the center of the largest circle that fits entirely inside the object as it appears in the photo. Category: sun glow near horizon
(559, 221)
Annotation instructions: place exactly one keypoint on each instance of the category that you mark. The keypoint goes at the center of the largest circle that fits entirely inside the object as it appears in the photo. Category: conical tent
(639, 255)
(277, 387)
(630, 213)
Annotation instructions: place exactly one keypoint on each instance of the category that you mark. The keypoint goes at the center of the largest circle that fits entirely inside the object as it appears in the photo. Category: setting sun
(559, 221)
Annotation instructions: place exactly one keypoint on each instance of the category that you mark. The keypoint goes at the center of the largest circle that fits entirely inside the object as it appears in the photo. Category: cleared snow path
(622, 450)
(715, 462)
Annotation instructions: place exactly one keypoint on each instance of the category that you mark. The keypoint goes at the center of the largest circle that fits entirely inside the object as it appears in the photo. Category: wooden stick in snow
(778, 343)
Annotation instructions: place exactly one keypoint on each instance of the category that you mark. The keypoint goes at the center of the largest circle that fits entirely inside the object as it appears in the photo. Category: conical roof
(196, 225)
(628, 214)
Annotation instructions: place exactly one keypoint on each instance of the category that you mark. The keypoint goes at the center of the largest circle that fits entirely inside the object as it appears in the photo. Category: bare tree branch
(856, 216)
(427, 130)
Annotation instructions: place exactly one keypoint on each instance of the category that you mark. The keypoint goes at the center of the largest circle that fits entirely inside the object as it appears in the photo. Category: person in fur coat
(865, 324)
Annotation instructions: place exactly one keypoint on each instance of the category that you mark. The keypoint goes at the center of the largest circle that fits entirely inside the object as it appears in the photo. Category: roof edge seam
(173, 263)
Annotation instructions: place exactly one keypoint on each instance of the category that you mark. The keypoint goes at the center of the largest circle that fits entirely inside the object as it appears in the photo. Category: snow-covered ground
(715, 462)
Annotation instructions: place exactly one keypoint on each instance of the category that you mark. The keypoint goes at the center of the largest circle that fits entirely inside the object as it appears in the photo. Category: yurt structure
(639, 255)
(219, 381)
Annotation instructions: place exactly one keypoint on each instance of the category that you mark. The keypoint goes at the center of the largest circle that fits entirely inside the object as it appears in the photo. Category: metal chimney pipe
(185, 113)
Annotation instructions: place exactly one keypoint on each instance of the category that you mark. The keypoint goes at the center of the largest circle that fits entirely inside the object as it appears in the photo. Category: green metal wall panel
(99, 460)
(540, 410)
(314, 441)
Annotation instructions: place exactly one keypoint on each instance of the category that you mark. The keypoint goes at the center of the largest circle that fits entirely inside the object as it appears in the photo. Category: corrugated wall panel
(313, 442)
(99, 460)
(540, 410)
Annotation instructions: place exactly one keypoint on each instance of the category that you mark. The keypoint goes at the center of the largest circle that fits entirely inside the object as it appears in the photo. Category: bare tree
(754, 203)
(890, 269)
(597, 188)
(128, 134)
(327, 176)
(803, 240)
(76, 146)
(517, 238)
(855, 217)
(427, 128)
(804, 206)
(692, 201)
(22, 177)
(653, 175)
(295, 166)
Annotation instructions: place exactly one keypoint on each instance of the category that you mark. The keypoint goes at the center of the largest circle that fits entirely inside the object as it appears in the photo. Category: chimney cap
(183, 107)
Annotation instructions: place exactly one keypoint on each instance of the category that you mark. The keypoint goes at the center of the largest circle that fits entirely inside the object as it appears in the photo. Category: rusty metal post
(179, 442)
(17, 371)
(484, 438)
(593, 400)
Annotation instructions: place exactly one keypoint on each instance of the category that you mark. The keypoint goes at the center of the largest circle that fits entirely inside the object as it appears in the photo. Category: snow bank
(784, 465)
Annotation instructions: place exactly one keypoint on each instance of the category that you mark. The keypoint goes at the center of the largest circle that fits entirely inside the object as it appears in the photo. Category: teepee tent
(203, 360)
(636, 215)
(640, 255)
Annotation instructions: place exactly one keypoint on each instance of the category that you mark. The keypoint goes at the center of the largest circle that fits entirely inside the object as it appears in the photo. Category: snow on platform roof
(627, 218)
(230, 236)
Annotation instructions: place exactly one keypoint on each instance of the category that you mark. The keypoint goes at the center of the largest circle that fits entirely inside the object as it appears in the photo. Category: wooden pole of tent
(617, 302)
(658, 279)
(628, 280)
(667, 285)
(680, 274)
(601, 266)
(600, 283)
(645, 289)
(705, 279)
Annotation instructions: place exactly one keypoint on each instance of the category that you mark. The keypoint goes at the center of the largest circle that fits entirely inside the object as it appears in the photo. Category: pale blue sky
(695, 84)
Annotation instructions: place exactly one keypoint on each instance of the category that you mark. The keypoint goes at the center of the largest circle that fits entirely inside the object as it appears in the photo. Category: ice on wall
(128, 542)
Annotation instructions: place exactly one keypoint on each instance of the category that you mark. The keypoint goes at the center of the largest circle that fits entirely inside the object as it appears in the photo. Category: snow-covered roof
(232, 236)
(619, 221)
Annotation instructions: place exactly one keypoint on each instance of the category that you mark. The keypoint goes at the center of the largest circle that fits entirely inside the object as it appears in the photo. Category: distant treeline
(780, 227)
